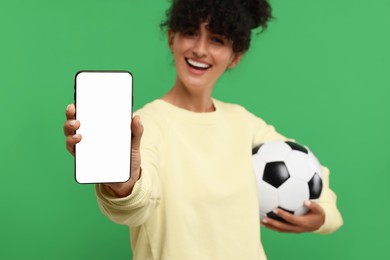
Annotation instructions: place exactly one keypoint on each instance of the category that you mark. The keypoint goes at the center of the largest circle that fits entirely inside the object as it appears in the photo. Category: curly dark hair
(234, 19)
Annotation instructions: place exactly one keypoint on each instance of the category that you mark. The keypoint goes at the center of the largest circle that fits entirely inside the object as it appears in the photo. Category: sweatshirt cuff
(332, 221)
(137, 195)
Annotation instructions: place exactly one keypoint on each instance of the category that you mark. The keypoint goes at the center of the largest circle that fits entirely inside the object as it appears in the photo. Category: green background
(320, 75)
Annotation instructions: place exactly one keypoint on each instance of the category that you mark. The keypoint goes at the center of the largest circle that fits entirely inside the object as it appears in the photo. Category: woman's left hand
(311, 221)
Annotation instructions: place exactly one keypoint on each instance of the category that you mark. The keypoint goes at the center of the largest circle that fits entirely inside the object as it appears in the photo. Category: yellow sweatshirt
(197, 198)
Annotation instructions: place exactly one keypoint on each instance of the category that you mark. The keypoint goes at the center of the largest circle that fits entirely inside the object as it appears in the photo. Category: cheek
(179, 53)
(179, 61)
(224, 57)
(224, 64)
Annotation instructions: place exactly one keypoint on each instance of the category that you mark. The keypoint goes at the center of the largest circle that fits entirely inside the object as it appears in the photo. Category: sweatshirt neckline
(187, 115)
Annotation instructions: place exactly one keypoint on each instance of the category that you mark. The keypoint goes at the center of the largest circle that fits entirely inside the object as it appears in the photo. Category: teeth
(198, 64)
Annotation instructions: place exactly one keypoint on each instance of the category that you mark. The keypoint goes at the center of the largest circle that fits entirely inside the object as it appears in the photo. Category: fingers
(71, 126)
(279, 226)
(311, 221)
(288, 217)
(70, 111)
(288, 226)
(71, 141)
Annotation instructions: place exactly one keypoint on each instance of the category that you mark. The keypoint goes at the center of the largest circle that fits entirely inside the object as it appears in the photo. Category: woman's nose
(200, 47)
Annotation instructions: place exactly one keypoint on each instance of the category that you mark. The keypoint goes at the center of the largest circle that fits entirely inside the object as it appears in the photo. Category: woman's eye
(218, 40)
(189, 33)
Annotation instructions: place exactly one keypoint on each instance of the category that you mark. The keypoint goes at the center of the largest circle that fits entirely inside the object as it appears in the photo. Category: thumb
(136, 132)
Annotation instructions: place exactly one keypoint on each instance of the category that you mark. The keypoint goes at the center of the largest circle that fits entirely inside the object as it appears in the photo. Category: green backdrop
(320, 75)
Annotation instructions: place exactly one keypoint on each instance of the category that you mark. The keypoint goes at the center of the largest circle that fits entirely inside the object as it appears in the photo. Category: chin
(196, 84)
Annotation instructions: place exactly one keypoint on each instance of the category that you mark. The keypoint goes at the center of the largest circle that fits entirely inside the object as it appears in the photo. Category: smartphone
(104, 103)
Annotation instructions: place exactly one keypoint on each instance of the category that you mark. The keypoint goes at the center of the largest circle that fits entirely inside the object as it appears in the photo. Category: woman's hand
(120, 189)
(70, 127)
(309, 222)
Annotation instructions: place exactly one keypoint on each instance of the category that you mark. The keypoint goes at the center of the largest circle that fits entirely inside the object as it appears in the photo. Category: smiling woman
(206, 38)
(192, 192)
(200, 57)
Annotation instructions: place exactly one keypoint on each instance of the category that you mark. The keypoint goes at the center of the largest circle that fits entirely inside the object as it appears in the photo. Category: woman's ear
(171, 36)
(235, 60)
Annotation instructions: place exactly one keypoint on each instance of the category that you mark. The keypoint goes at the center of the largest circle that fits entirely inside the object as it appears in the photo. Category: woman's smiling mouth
(197, 65)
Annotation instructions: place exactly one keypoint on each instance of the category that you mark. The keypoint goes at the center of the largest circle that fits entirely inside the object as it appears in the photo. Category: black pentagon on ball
(274, 216)
(275, 173)
(297, 147)
(315, 186)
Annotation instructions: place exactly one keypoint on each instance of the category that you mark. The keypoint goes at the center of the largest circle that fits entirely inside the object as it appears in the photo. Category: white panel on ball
(316, 164)
(273, 151)
(288, 167)
(271, 194)
(298, 166)
(301, 211)
(300, 191)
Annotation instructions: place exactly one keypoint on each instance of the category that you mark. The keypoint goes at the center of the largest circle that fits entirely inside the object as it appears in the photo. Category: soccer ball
(287, 175)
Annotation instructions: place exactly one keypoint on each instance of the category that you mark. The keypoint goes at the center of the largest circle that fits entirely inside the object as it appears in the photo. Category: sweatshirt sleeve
(327, 201)
(333, 219)
(136, 208)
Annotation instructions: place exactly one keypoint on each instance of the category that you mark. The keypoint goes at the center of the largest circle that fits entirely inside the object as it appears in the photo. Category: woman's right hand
(120, 189)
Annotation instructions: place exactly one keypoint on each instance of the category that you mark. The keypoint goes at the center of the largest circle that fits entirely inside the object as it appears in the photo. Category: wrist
(124, 189)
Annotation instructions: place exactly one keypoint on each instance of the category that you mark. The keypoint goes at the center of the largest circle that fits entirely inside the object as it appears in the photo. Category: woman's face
(201, 57)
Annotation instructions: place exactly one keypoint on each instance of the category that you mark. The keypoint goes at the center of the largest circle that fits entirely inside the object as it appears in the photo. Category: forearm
(121, 190)
(134, 209)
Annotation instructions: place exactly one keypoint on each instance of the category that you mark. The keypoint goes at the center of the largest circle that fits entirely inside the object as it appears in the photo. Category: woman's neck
(195, 102)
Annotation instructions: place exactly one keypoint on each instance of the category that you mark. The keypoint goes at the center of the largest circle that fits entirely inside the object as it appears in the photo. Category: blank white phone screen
(103, 102)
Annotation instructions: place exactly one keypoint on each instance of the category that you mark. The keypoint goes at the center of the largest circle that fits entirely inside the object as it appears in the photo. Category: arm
(132, 210)
(136, 207)
(119, 189)
(323, 216)
(132, 202)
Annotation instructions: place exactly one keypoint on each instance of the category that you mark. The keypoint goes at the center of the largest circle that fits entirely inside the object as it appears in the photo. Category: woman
(192, 192)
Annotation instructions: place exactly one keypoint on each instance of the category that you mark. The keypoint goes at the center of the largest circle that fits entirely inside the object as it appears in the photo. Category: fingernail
(265, 221)
(140, 122)
(72, 123)
(276, 211)
(307, 203)
(67, 108)
(75, 136)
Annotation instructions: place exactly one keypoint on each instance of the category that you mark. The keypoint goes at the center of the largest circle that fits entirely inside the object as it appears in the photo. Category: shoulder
(235, 110)
(229, 107)
(247, 121)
